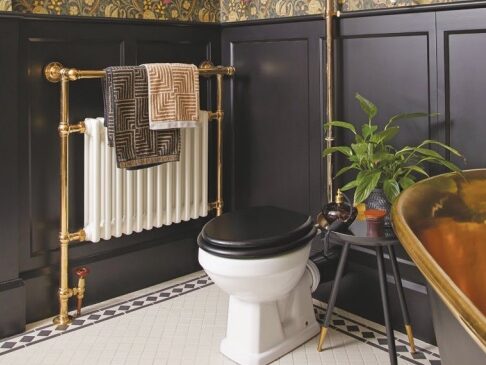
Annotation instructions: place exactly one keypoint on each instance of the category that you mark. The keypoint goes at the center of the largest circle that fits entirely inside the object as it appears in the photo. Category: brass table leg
(401, 297)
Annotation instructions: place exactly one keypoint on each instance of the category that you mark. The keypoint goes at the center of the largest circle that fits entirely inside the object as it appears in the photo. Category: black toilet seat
(256, 233)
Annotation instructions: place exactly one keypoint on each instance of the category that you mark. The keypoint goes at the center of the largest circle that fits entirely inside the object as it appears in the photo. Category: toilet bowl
(258, 256)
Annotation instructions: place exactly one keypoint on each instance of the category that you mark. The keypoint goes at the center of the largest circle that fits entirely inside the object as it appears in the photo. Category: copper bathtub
(441, 222)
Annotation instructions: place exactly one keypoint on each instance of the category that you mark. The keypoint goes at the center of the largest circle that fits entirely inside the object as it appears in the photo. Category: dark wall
(275, 115)
(30, 150)
(429, 62)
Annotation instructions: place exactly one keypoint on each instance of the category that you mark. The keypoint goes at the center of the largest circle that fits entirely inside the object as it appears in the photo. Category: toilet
(259, 256)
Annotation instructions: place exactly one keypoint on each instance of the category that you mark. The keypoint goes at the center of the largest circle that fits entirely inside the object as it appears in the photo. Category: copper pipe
(330, 13)
(219, 145)
(54, 70)
(64, 292)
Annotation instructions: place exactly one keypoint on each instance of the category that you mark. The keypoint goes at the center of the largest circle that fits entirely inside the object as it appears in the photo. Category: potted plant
(383, 171)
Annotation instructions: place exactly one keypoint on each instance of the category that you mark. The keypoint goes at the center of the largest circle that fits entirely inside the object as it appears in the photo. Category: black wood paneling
(462, 81)
(429, 61)
(277, 105)
(31, 188)
(275, 115)
(12, 292)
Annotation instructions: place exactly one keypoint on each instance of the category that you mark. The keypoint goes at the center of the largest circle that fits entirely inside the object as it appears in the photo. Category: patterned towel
(173, 95)
(125, 95)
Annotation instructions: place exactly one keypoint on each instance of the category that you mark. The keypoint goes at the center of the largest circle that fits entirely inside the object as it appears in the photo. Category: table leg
(401, 297)
(333, 297)
(386, 311)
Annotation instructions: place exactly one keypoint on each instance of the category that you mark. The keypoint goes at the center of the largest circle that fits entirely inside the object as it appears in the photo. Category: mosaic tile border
(368, 334)
(50, 331)
(377, 338)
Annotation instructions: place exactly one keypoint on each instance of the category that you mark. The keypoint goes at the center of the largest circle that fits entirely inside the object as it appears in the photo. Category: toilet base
(259, 333)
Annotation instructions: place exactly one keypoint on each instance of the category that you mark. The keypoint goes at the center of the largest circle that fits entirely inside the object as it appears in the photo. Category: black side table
(357, 235)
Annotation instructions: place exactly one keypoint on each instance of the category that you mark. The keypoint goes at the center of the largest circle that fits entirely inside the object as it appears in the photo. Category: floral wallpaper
(180, 10)
(195, 10)
(5, 5)
(241, 10)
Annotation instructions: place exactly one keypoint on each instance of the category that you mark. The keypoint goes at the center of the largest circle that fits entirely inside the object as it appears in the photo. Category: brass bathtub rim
(461, 307)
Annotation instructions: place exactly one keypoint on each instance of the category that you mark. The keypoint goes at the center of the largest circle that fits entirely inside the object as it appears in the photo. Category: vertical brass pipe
(329, 15)
(64, 292)
(219, 145)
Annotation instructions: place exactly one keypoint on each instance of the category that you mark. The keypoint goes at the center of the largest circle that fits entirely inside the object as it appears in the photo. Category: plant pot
(378, 200)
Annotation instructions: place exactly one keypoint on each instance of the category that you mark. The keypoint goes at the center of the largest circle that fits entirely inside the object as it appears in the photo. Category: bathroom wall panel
(462, 82)
(275, 115)
(390, 60)
(12, 289)
(119, 265)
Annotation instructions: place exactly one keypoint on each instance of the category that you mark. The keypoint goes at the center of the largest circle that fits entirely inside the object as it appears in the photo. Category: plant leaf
(366, 183)
(350, 185)
(418, 169)
(339, 124)
(451, 166)
(448, 148)
(367, 106)
(360, 149)
(368, 130)
(405, 182)
(344, 170)
(428, 152)
(402, 116)
(391, 189)
(385, 135)
(343, 149)
(383, 156)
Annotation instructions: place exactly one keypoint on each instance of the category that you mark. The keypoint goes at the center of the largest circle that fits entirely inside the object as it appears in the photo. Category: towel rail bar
(56, 72)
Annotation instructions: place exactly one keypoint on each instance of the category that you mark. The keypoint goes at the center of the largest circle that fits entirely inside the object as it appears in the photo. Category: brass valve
(81, 273)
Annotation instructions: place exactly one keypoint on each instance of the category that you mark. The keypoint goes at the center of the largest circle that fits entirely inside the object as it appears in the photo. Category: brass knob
(81, 272)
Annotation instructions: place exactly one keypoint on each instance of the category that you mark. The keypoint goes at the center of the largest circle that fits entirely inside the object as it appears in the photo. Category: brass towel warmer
(55, 72)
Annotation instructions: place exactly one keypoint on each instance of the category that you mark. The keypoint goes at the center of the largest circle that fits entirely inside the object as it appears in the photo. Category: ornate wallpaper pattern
(180, 10)
(195, 10)
(5, 5)
(240, 10)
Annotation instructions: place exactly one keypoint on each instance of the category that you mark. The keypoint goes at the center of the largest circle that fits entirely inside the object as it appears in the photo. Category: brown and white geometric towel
(125, 93)
(173, 95)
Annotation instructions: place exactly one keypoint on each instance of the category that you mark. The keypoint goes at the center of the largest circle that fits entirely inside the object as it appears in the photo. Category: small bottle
(339, 209)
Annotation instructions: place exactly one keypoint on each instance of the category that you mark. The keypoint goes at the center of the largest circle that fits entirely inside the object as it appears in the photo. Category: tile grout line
(177, 290)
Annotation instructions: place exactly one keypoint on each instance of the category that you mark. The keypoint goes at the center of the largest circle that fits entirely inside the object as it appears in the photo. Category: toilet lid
(256, 232)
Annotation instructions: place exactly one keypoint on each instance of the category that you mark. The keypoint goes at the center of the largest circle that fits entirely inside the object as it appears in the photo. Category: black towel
(125, 95)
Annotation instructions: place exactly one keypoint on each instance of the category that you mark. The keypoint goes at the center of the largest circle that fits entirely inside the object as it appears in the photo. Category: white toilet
(258, 256)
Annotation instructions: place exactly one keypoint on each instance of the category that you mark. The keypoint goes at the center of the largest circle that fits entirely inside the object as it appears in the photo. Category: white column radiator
(118, 201)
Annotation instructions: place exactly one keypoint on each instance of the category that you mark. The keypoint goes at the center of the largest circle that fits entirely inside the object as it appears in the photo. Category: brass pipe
(329, 15)
(54, 71)
(219, 145)
(64, 292)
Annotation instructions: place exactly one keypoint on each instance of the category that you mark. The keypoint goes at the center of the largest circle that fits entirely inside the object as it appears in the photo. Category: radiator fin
(118, 201)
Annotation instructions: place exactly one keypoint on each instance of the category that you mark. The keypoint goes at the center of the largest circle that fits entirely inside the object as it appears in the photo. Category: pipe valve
(81, 273)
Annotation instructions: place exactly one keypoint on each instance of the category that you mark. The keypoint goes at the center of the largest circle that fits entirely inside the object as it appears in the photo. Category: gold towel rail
(56, 72)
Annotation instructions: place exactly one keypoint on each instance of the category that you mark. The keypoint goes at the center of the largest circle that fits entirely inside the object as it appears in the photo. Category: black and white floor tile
(182, 322)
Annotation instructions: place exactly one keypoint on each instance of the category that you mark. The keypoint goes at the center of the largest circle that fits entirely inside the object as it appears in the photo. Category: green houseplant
(379, 165)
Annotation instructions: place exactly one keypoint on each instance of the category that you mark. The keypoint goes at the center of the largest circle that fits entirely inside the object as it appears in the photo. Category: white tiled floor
(184, 329)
